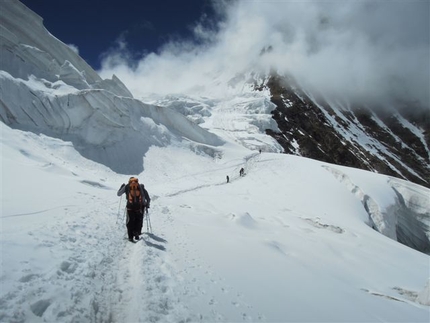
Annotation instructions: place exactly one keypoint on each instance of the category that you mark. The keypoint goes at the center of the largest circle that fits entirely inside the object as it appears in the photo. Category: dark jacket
(143, 192)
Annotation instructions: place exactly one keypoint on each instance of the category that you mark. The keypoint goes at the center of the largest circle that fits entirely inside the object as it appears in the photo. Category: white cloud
(74, 48)
(359, 49)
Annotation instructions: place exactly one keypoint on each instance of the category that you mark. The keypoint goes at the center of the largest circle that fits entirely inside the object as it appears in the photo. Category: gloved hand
(122, 185)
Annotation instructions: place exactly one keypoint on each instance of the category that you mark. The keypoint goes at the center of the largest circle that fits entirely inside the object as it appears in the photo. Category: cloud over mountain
(368, 51)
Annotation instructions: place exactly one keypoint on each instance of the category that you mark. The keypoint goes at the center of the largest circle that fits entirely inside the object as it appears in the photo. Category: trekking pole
(146, 218)
(119, 207)
(148, 222)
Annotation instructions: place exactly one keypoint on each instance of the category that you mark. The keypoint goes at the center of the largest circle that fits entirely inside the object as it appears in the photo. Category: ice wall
(403, 215)
(47, 88)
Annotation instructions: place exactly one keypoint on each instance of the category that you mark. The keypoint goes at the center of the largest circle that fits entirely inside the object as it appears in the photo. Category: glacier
(295, 239)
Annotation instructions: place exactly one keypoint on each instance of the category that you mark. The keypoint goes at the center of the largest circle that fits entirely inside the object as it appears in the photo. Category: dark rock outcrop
(371, 139)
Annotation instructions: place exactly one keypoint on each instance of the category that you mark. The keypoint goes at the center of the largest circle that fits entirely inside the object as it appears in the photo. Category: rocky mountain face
(394, 142)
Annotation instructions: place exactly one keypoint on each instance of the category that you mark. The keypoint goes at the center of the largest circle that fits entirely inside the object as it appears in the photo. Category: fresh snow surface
(294, 240)
(289, 242)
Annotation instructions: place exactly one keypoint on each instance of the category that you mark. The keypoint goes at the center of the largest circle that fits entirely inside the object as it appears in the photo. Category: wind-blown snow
(292, 240)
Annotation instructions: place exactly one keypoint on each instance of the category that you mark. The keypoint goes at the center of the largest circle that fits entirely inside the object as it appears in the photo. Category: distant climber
(228, 179)
(138, 201)
(241, 172)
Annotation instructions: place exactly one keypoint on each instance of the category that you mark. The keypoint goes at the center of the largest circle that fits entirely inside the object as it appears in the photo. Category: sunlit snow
(293, 240)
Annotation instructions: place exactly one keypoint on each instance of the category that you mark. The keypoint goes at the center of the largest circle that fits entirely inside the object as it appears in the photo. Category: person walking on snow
(137, 201)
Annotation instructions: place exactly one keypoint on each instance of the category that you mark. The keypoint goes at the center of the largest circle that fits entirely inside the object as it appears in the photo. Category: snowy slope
(287, 242)
(293, 240)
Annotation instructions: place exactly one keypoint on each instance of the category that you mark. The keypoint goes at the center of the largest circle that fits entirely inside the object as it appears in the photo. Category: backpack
(134, 195)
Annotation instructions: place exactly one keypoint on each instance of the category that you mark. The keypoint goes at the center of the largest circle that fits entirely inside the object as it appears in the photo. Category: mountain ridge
(378, 141)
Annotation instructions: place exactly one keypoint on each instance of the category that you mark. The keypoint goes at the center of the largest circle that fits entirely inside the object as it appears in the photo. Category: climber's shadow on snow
(156, 238)
(147, 236)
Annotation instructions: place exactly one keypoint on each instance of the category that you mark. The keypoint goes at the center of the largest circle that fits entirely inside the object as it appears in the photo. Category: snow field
(286, 242)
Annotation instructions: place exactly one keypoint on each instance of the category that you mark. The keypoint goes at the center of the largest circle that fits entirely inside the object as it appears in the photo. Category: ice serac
(412, 211)
(404, 218)
(27, 48)
(60, 95)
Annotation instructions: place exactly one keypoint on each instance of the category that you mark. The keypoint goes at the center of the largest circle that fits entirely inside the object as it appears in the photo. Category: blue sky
(96, 26)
